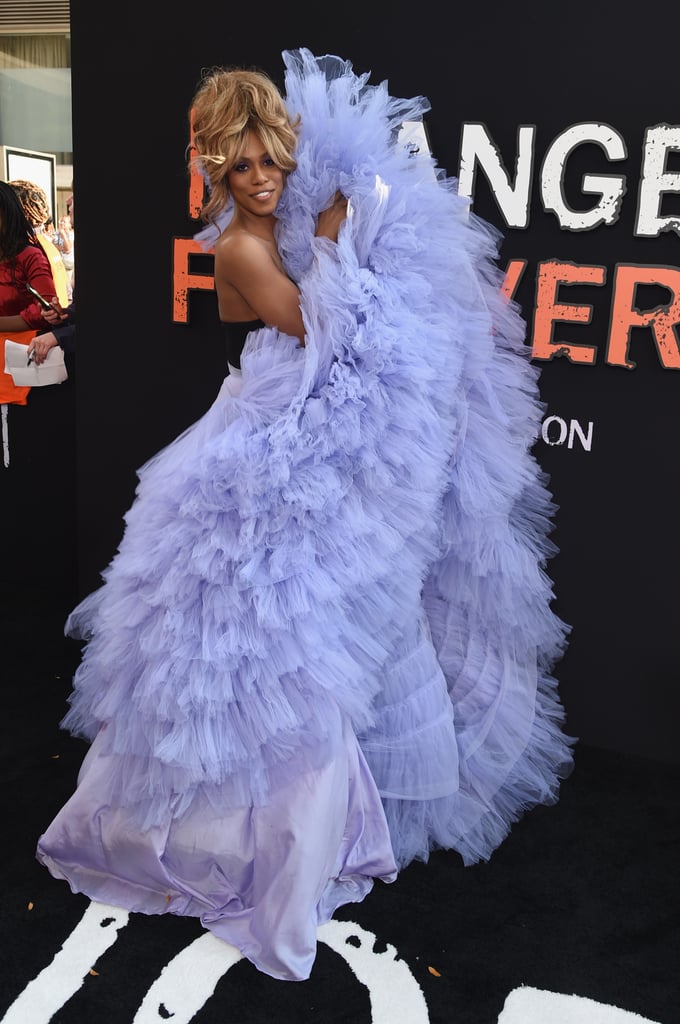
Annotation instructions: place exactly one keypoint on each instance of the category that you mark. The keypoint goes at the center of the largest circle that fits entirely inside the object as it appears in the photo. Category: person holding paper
(22, 262)
(61, 320)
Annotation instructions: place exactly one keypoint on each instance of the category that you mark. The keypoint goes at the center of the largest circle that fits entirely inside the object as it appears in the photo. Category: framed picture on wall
(31, 165)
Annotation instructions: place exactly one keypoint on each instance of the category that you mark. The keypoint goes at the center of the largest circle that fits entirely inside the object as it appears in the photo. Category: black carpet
(582, 898)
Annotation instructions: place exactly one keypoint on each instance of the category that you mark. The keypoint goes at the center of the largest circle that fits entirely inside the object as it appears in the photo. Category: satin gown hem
(234, 928)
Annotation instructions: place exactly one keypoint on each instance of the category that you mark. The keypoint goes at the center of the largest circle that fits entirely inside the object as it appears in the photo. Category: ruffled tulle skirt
(325, 646)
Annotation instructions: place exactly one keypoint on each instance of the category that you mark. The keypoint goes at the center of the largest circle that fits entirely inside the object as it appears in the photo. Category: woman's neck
(261, 227)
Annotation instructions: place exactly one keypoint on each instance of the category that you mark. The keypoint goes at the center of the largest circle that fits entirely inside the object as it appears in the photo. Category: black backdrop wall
(537, 106)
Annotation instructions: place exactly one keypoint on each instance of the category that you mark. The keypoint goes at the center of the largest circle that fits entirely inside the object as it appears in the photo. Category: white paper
(52, 371)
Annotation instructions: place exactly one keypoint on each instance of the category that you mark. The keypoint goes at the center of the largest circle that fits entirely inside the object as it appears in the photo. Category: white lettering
(96, 932)
(189, 980)
(513, 198)
(656, 180)
(609, 187)
(566, 432)
(545, 430)
(585, 439)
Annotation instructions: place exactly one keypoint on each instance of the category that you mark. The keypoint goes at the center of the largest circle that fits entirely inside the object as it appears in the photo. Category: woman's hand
(329, 220)
(40, 346)
(55, 316)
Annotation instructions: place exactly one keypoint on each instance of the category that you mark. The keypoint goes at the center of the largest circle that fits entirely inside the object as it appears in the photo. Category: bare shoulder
(239, 246)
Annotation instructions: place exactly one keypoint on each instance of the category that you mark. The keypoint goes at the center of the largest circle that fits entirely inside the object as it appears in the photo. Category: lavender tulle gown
(325, 645)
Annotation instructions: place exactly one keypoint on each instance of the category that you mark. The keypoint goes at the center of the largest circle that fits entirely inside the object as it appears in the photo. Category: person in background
(34, 200)
(22, 261)
(61, 321)
(65, 239)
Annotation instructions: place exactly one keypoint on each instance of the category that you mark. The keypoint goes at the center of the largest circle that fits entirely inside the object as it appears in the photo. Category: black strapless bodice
(235, 335)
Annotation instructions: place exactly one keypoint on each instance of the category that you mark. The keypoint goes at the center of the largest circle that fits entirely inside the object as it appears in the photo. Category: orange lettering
(183, 281)
(551, 275)
(196, 182)
(661, 319)
(513, 275)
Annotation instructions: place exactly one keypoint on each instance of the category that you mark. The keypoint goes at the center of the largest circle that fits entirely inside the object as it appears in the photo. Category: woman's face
(255, 182)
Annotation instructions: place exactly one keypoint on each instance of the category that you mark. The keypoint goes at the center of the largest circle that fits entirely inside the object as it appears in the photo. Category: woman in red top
(22, 262)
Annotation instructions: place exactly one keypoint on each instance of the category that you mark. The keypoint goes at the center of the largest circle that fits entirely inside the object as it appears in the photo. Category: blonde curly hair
(228, 103)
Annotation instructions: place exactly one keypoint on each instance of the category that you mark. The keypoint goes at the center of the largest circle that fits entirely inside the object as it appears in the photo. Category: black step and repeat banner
(563, 126)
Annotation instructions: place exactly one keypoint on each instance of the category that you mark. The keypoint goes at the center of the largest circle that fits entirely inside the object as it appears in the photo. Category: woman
(324, 646)
(33, 198)
(22, 262)
(64, 241)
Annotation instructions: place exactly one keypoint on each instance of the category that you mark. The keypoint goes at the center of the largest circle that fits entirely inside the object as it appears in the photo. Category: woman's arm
(250, 284)
(33, 267)
(14, 323)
